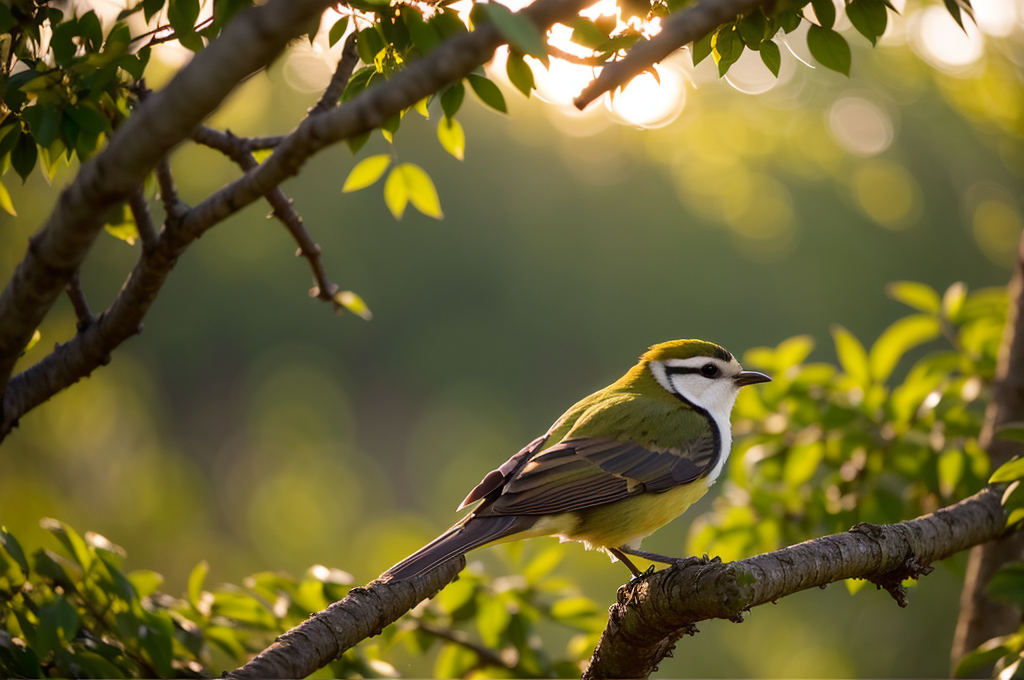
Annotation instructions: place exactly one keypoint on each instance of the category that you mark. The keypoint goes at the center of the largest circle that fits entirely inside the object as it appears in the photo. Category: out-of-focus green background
(250, 427)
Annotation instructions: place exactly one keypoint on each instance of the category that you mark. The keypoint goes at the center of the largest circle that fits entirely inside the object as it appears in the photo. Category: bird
(618, 465)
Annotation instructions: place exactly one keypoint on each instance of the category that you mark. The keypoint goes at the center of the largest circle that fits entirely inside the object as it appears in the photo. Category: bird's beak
(750, 378)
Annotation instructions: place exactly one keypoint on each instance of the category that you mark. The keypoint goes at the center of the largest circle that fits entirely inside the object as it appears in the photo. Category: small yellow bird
(615, 467)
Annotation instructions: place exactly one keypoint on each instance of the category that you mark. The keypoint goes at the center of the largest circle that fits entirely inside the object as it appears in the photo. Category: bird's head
(700, 372)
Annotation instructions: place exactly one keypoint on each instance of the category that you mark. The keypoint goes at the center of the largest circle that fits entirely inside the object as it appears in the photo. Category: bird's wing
(496, 477)
(584, 472)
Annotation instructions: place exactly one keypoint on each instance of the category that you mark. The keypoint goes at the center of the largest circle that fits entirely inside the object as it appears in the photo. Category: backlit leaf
(69, 538)
(829, 48)
(917, 295)
(11, 546)
(452, 137)
(851, 354)
(366, 172)
(726, 48)
(353, 303)
(519, 73)
(1013, 432)
(5, 201)
(492, 618)
(543, 564)
(1008, 472)
(898, 339)
(409, 183)
(773, 60)
(519, 30)
(195, 582)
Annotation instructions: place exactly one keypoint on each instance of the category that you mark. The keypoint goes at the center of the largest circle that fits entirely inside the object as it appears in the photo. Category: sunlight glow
(859, 126)
(937, 38)
(645, 103)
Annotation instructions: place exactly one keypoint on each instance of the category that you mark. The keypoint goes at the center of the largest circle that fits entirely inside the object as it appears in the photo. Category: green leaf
(916, 295)
(869, 17)
(955, 6)
(727, 47)
(802, 461)
(366, 172)
(11, 546)
(195, 582)
(454, 661)
(702, 48)
(829, 48)
(789, 20)
(1013, 432)
(519, 73)
(369, 44)
(424, 34)
(851, 355)
(452, 137)
(69, 538)
(1007, 584)
(243, 608)
(451, 99)
(772, 58)
(24, 156)
(420, 107)
(5, 201)
(520, 32)
(492, 618)
(487, 91)
(145, 581)
(752, 29)
(409, 183)
(825, 11)
(951, 466)
(1010, 471)
(898, 339)
(543, 564)
(353, 303)
(58, 624)
(978, 662)
(182, 15)
(151, 7)
(337, 31)
(121, 224)
(588, 34)
(91, 30)
(356, 143)
(953, 301)
(88, 116)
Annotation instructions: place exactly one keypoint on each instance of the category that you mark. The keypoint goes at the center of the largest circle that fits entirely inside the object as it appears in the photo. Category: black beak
(750, 378)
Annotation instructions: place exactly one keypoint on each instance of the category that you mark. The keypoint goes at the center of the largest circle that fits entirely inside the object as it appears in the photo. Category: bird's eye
(709, 370)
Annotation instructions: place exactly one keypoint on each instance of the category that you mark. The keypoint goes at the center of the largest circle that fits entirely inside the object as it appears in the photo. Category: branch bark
(363, 613)
(676, 31)
(981, 617)
(168, 117)
(653, 615)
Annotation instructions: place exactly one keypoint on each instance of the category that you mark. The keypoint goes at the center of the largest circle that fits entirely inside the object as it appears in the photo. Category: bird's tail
(458, 540)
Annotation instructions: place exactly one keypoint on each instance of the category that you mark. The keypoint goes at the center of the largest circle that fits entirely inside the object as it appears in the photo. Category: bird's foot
(626, 590)
(694, 561)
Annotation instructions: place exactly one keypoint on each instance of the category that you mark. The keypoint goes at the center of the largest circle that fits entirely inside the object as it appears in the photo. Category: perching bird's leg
(664, 559)
(617, 553)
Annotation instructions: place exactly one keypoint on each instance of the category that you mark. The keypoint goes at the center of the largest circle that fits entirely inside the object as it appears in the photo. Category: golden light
(887, 193)
(937, 39)
(647, 104)
(998, 17)
(749, 75)
(859, 126)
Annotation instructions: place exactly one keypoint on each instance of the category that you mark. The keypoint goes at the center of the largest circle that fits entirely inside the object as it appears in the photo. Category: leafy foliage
(822, 447)
(75, 612)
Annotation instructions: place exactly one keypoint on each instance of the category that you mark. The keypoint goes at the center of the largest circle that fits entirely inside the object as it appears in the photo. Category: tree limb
(981, 617)
(654, 613)
(248, 43)
(676, 31)
(487, 656)
(78, 357)
(363, 613)
(347, 64)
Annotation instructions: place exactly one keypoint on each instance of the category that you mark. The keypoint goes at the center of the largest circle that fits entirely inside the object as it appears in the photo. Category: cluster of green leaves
(822, 447)
(75, 612)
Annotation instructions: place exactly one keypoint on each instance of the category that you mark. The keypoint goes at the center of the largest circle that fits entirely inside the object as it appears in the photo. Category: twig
(235, 148)
(174, 207)
(261, 143)
(652, 614)
(347, 63)
(677, 30)
(559, 53)
(78, 301)
(143, 220)
(487, 655)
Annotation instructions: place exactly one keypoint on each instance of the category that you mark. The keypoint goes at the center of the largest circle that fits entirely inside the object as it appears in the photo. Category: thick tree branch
(653, 614)
(676, 31)
(981, 617)
(363, 613)
(75, 359)
(248, 43)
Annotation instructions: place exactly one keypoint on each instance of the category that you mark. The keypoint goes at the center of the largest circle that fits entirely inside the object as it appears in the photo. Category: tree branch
(652, 615)
(235, 148)
(143, 220)
(487, 656)
(78, 301)
(363, 613)
(676, 31)
(981, 617)
(248, 43)
(347, 64)
(78, 357)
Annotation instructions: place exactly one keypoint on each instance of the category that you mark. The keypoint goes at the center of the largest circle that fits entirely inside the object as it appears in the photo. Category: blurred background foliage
(251, 428)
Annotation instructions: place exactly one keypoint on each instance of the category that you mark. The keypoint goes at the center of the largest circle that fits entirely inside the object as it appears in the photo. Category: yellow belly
(624, 523)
